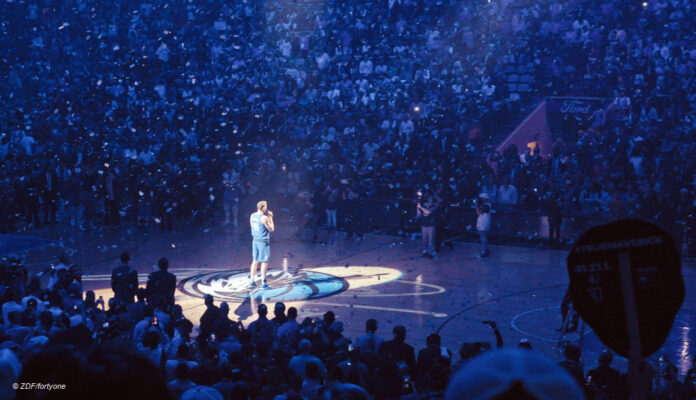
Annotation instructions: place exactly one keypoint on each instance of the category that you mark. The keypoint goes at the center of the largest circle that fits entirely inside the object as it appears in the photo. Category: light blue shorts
(261, 250)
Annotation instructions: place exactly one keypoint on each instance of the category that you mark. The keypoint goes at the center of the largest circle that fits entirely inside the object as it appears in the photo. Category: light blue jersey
(261, 243)
(258, 229)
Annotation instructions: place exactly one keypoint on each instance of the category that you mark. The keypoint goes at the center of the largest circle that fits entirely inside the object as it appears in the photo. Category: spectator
(201, 392)
(262, 330)
(209, 318)
(113, 372)
(311, 384)
(182, 382)
(426, 215)
(606, 379)
(279, 315)
(124, 281)
(507, 193)
(137, 309)
(161, 285)
(63, 265)
(483, 225)
(287, 331)
(514, 374)
(336, 389)
(398, 350)
(572, 364)
(299, 362)
(354, 371)
(369, 342)
(432, 354)
(9, 372)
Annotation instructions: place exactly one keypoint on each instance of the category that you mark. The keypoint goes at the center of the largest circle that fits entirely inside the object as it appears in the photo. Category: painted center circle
(284, 286)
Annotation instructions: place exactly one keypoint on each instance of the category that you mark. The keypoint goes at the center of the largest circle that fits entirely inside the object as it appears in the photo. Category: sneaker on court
(264, 285)
(251, 284)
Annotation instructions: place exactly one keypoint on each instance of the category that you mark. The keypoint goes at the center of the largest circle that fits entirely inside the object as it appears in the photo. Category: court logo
(284, 286)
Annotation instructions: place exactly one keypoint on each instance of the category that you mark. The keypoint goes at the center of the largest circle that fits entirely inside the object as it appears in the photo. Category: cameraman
(425, 214)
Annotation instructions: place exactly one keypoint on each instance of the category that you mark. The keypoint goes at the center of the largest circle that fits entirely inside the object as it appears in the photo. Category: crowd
(140, 345)
(166, 112)
(135, 110)
(641, 58)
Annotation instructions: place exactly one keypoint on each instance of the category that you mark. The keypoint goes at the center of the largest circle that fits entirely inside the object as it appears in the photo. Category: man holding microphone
(261, 227)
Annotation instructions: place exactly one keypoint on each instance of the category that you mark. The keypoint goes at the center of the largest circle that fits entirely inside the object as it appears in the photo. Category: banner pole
(639, 391)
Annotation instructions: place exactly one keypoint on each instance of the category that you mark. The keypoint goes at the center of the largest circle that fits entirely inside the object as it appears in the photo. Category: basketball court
(383, 277)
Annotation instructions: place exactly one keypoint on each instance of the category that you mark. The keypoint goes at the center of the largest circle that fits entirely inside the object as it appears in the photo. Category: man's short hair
(125, 257)
(304, 345)
(605, 358)
(292, 313)
(371, 325)
(262, 310)
(329, 317)
(312, 370)
(400, 331)
(433, 339)
(261, 205)
(182, 371)
(163, 263)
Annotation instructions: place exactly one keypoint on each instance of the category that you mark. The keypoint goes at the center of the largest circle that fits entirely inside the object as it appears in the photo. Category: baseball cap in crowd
(201, 393)
(512, 373)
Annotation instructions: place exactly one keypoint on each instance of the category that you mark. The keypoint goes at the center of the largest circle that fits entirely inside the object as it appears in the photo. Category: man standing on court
(261, 227)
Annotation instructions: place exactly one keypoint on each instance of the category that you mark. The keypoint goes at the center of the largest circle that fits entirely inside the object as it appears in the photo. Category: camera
(407, 385)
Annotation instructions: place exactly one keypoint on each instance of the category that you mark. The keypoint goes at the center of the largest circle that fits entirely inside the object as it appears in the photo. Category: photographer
(331, 194)
(425, 214)
(350, 209)
(483, 225)
(56, 274)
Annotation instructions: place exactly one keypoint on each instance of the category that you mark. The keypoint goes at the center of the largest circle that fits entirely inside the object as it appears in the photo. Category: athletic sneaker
(252, 284)
(264, 285)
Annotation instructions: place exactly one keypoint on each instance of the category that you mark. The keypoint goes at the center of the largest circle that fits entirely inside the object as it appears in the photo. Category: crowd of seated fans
(141, 344)
(134, 110)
